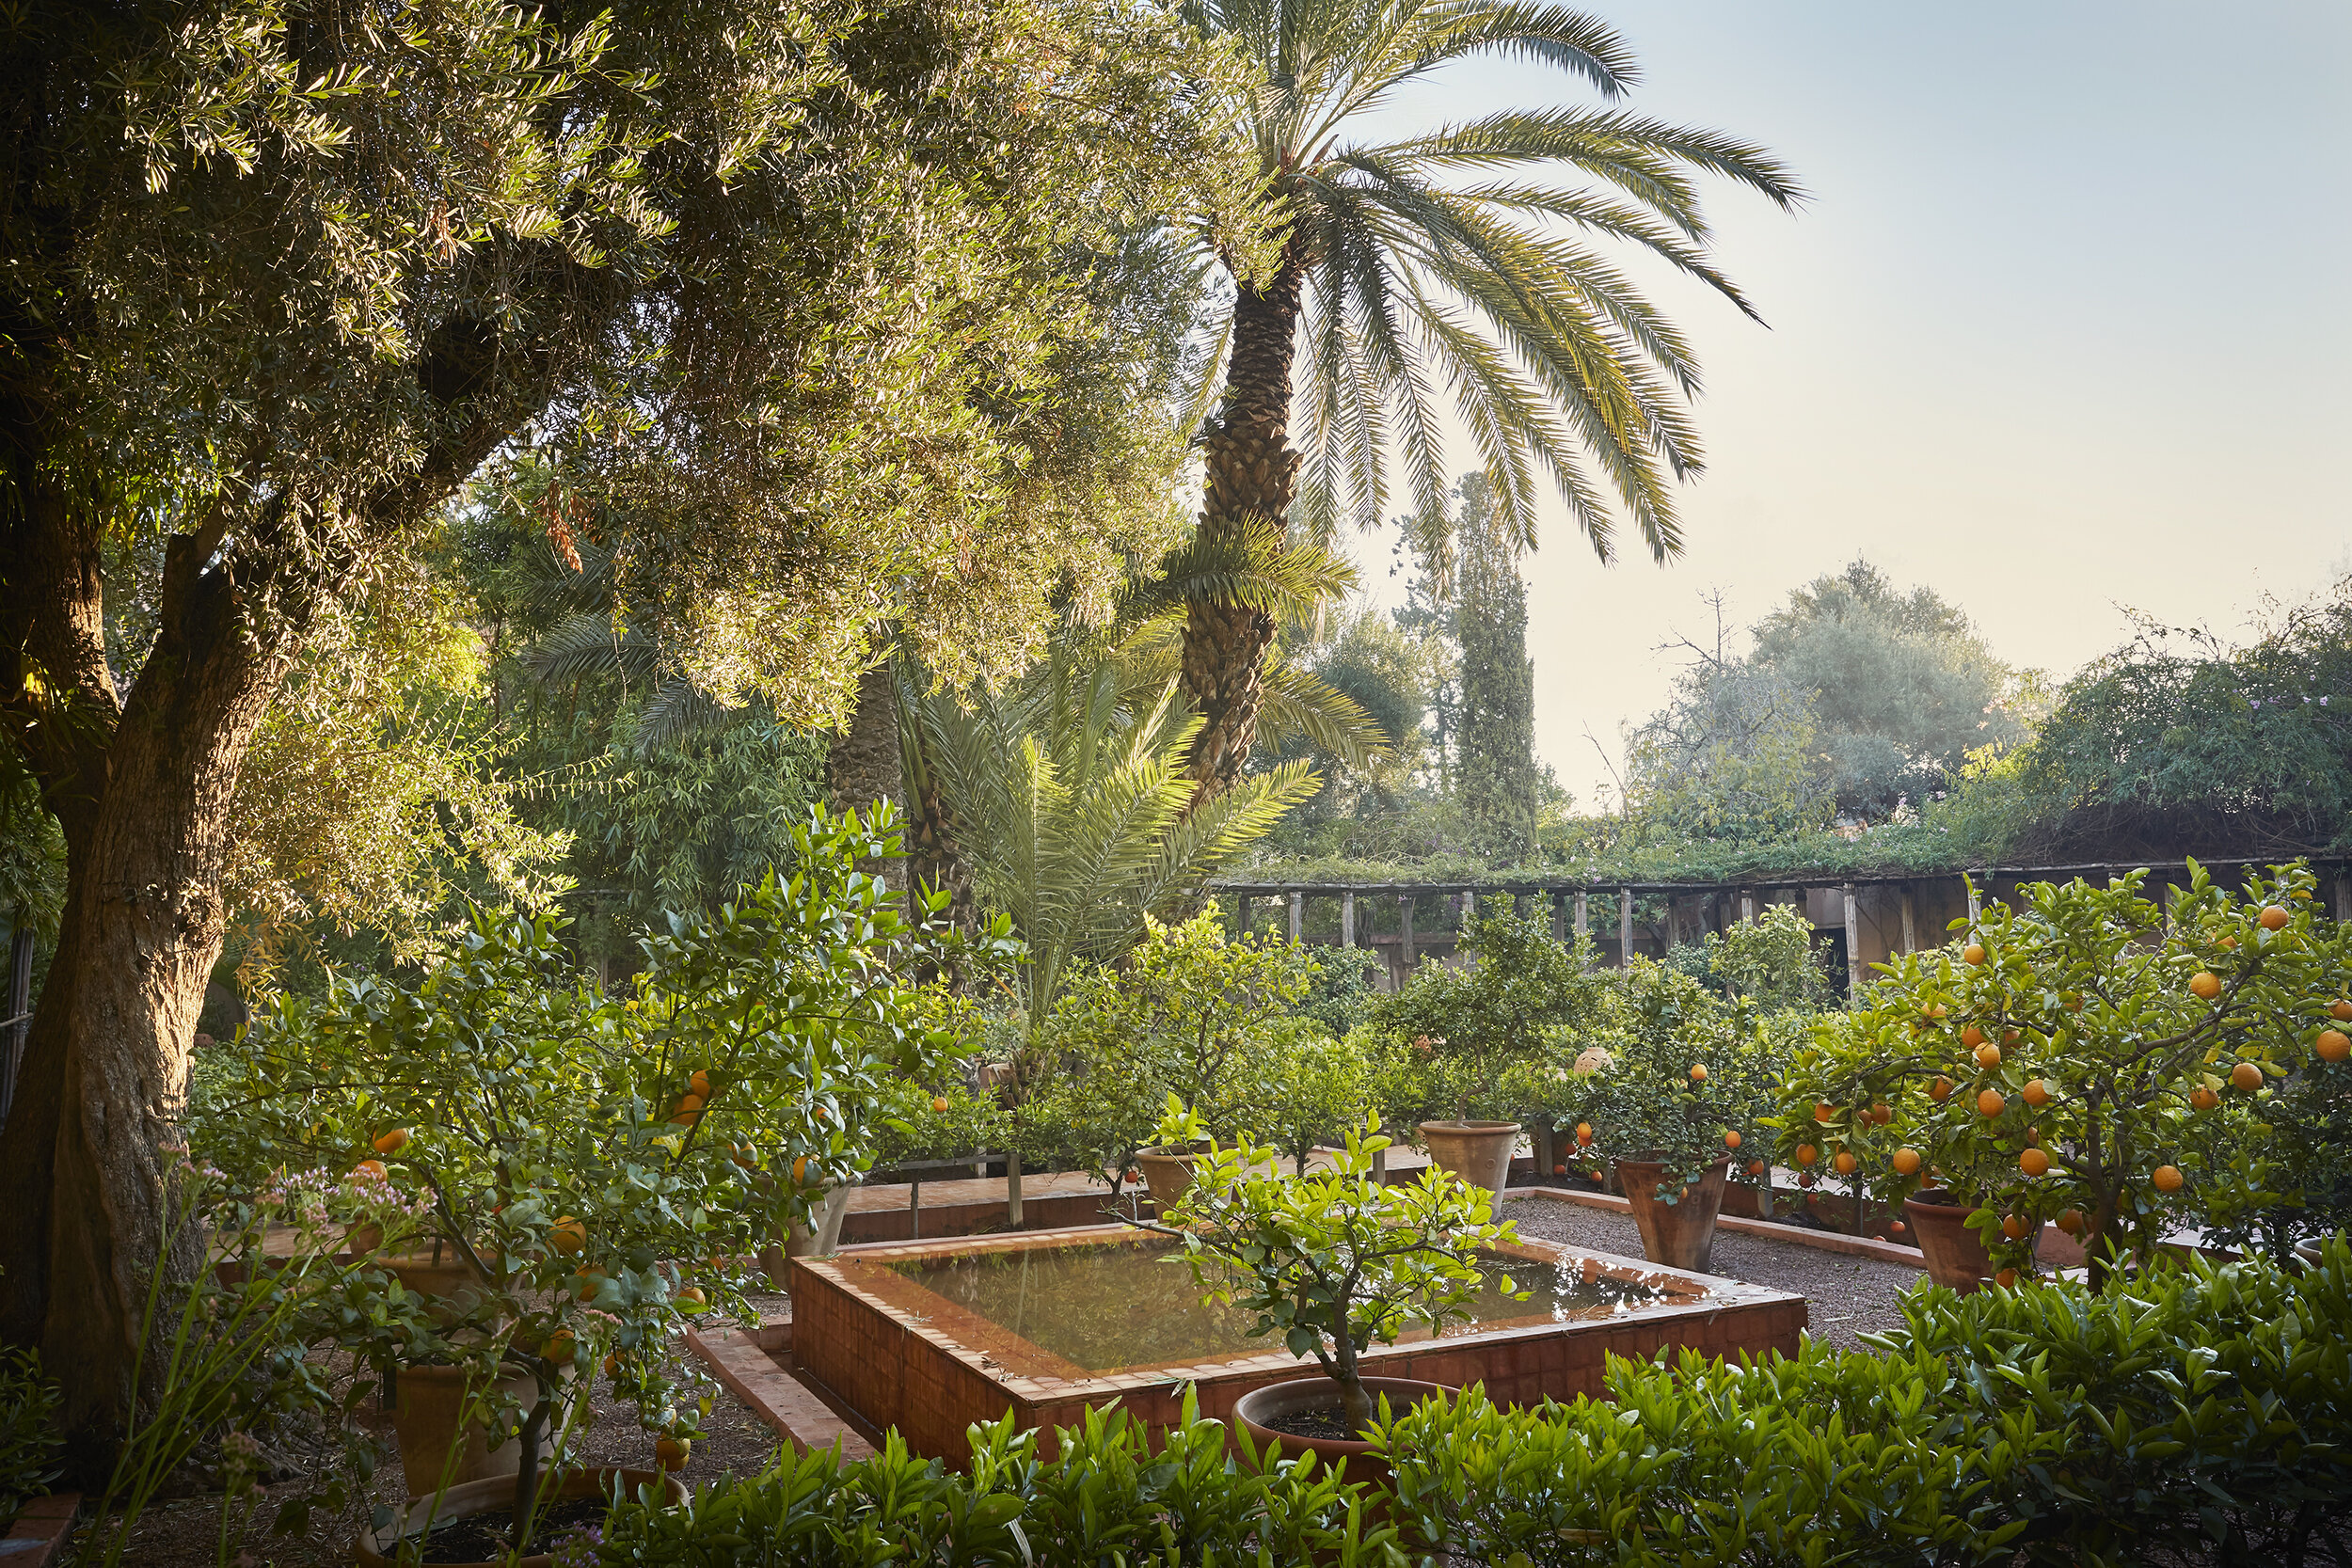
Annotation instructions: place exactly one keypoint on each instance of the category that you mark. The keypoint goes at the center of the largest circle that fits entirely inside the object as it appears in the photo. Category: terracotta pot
(1168, 1172)
(425, 1412)
(1955, 1255)
(1275, 1400)
(381, 1549)
(1477, 1151)
(1677, 1235)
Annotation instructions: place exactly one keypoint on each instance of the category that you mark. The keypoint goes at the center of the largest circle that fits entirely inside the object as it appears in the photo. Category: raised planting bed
(932, 1336)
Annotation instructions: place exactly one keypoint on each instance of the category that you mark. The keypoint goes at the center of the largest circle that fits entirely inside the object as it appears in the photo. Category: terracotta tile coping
(48, 1520)
(747, 1362)
(1702, 1298)
(1796, 1235)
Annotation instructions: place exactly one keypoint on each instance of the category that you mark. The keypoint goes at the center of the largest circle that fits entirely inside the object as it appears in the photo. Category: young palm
(1460, 264)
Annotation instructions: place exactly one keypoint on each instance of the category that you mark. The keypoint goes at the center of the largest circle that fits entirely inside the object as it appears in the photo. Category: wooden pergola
(1879, 912)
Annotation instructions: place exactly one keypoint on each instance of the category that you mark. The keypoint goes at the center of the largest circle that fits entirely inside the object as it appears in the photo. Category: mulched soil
(1847, 1296)
(185, 1531)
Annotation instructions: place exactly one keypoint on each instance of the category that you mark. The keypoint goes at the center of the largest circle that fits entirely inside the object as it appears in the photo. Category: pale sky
(2063, 330)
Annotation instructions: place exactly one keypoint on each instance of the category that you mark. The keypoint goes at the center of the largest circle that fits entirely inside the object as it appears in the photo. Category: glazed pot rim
(1173, 1151)
(1939, 1197)
(1470, 1126)
(1374, 1387)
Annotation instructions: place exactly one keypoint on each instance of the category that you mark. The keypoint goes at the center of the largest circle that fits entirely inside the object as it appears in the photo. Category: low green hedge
(2198, 1414)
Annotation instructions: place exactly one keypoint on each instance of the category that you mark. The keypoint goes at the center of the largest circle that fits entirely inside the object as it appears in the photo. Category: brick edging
(753, 1374)
(1827, 1241)
(48, 1520)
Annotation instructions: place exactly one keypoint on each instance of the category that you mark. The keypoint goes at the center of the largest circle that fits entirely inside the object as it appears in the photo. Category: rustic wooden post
(1911, 918)
(1405, 920)
(1747, 905)
(1625, 927)
(1583, 914)
(2344, 895)
(1298, 915)
(1976, 908)
(1854, 947)
(1348, 918)
(1556, 912)
(1241, 905)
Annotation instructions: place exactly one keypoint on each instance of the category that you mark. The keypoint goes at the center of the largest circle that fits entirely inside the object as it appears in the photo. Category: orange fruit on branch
(1988, 1056)
(2205, 985)
(2006, 1279)
(1972, 954)
(2037, 1093)
(1972, 1037)
(1906, 1161)
(1882, 1113)
(393, 1141)
(2034, 1163)
(1731, 1140)
(1807, 1154)
(699, 1083)
(1559, 1170)
(1990, 1104)
(1846, 1162)
(1940, 1091)
(2202, 1098)
(1756, 1167)
(2246, 1077)
(1583, 1131)
(939, 1104)
(2168, 1179)
(1823, 1111)
(1698, 1072)
(2014, 1226)
(2070, 1222)
(2341, 1011)
(2332, 1046)
(672, 1454)
(2273, 918)
(373, 1168)
(568, 1235)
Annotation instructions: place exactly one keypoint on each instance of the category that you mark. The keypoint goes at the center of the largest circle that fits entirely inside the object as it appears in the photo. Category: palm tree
(1399, 278)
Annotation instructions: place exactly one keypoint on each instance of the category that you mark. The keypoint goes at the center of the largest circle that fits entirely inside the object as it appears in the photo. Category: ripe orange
(372, 1168)
(2006, 1279)
(2273, 918)
(1583, 1131)
(1559, 1170)
(393, 1141)
(1972, 954)
(1988, 1056)
(1906, 1161)
(1698, 1072)
(939, 1104)
(2332, 1046)
(1882, 1113)
(1940, 1091)
(672, 1454)
(1731, 1140)
(1804, 1179)
(1896, 1228)
(568, 1235)
(1990, 1104)
(2037, 1093)
(2070, 1222)
(2341, 1011)
(1972, 1037)
(560, 1348)
(1807, 1154)
(2246, 1077)
(1934, 1009)
(2202, 1098)
(2014, 1226)
(2205, 985)
(693, 1297)
(2229, 944)
(699, 1083)
(1823, 1111)
(590, 1280)
(613, 1364)
(1846, 1162)
(2034, 1163)
(2168, 1179)
(1756, 1167)
(799, 1169)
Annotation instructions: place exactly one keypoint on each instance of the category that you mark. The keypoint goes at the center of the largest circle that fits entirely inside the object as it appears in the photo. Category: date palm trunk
(1252, 473)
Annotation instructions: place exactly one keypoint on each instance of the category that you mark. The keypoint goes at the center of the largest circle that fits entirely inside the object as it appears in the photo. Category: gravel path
(1847, 1296)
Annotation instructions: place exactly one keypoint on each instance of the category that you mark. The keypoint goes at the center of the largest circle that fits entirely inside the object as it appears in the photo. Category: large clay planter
(1677, 1235)
(1477, 1151)
(1275, 1400)
(425, 1413)
(381, 1549)
(1955, 1255)
(1168, 1173)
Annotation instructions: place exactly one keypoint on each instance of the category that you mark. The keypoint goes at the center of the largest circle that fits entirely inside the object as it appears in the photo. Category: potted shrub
(589, 1158)
(1334, 1262)
(1187, 1014)
(1669, 1088)
(1467, 1028)
(2083, 1058)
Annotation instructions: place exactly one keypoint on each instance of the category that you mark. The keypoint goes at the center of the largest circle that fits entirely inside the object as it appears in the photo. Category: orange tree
(593, 1160)
(1687, 1081)
(2084, 1057)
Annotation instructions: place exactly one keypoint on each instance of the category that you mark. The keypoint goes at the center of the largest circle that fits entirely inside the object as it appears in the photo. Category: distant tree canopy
(1857, 698)
(2176, 743)
(1499, 784)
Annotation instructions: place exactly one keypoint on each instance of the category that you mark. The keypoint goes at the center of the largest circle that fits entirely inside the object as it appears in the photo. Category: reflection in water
(1120, 1304)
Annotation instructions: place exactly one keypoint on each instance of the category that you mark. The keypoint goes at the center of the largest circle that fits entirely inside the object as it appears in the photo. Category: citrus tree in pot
(600, 1165)
(2083, 1058)
(1187, 1013)
(1673, 1087)
(1334, 1262)
(1467, 1028)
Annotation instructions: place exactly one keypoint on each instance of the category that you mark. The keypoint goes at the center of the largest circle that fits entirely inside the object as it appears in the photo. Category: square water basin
(932, 1336)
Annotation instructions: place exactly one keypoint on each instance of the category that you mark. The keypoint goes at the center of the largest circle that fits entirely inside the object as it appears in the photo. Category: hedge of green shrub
(2197, 1414)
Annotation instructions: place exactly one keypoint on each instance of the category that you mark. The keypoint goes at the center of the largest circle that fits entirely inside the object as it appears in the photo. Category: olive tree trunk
(862, 764)
(1252, 473)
